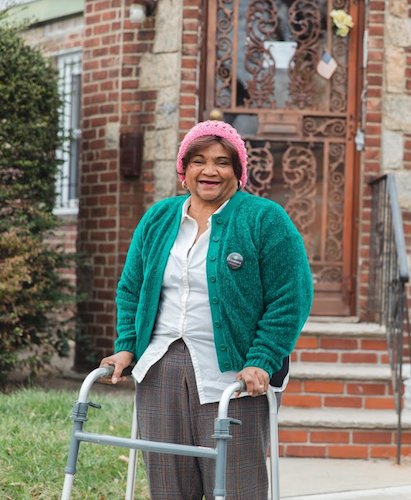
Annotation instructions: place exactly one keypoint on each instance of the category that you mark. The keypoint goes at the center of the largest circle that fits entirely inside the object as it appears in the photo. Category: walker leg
(274, 460)
(132, 462)
(68, 484)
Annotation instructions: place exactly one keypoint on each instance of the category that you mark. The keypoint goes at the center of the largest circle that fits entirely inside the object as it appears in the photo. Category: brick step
(338, 342)
(325, 385)
(342, 433)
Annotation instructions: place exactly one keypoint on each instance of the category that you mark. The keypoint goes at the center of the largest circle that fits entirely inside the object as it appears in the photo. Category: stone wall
(396, 118)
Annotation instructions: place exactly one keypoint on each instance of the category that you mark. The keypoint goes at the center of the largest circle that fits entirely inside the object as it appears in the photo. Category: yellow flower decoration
(342, 21)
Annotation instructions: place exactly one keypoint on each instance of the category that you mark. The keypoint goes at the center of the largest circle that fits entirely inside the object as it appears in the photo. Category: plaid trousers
(169, 410)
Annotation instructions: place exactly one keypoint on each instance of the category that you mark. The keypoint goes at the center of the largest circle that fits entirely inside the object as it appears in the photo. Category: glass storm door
(261, 74)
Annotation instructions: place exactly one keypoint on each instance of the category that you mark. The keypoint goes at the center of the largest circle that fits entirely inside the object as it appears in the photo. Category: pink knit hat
(220, 129)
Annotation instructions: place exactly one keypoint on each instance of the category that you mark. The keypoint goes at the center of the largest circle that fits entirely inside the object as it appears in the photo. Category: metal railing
(387, 299)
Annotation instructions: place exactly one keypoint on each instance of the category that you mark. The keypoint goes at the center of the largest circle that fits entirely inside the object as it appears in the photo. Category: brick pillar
(388, 129)
(110, 204)
(372, 153)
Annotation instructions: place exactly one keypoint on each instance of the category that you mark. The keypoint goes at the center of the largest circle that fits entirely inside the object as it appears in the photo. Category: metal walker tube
(79, 416)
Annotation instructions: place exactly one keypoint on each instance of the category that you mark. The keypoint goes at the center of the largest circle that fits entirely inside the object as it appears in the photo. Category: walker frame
(219, 453)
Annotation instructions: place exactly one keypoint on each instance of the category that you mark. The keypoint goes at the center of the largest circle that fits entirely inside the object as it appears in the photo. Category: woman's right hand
(120, 361)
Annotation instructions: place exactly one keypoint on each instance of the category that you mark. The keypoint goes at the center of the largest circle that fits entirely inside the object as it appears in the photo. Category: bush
(33, 294)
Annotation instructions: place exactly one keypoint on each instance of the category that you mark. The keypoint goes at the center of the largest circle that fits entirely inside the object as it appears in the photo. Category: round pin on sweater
(235, 260)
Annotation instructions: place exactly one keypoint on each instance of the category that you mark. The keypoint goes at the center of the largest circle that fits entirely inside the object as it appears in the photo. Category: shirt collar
(186, 206)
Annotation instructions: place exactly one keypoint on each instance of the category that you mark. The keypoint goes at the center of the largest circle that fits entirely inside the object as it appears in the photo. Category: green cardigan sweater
(258, 310)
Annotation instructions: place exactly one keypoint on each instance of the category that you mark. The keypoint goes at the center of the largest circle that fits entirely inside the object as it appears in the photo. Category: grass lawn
(35, 430)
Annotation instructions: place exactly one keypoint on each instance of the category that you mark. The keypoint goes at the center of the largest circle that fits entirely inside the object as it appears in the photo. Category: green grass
(35, 430)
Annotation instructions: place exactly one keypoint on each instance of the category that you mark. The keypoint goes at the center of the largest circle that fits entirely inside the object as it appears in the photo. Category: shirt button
(216, 238)
(217, 324)
(212, 257)
(226, 364)
(213, 279)
(219, 220)
(215, 300)
(223, 347)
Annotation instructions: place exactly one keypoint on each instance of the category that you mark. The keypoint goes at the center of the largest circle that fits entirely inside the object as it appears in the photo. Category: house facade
(321, 114)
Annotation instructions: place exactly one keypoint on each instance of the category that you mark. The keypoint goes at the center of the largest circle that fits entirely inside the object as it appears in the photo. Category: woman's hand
(120, 361)
(256, 380)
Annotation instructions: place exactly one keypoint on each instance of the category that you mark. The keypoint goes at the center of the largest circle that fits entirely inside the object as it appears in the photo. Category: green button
(216, 238)
(215, 300)
(212, 257)
(219, 220)
(223, 347)
(217, 324)
(226, 364)
(213, 279)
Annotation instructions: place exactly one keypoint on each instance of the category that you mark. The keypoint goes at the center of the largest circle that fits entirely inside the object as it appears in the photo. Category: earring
(239, 186)
(184, 185)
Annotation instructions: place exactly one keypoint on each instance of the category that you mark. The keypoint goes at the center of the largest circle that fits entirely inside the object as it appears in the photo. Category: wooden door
(299, 127)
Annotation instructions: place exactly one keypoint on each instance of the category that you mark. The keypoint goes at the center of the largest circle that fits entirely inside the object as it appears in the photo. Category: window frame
(69, 65)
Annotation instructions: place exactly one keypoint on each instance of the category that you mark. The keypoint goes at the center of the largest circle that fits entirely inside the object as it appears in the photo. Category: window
(69, 67)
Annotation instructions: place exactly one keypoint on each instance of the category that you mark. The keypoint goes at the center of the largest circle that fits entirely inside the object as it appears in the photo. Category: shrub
(33, 294)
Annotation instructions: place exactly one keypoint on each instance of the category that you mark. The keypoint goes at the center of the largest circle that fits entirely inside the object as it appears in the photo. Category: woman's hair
(208, 140)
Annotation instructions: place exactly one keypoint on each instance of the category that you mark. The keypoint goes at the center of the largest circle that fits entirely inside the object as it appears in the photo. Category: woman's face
(210, 175)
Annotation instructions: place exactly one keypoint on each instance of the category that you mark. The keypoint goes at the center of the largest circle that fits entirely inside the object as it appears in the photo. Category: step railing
(389, 273)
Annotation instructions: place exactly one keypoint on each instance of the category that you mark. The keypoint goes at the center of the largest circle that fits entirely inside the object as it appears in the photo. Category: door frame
(355, 85)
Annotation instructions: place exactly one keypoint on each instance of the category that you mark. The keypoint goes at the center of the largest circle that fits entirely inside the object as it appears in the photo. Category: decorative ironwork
(299, 170)
(324, 127)
(224, 59)
(260, 169)
(335, 203)
(341, 4)
(387, 299)
(304, 18)
(265, 60)
(328, 274)
(338, 102)
(261, 24)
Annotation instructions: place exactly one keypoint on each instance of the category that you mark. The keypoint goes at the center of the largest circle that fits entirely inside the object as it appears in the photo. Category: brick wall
(110, 205)
(371, 166)
(58, 35)
(342, 443)
(388, 137)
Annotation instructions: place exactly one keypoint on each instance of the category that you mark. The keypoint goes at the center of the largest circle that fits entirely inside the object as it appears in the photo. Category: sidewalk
(334, 479)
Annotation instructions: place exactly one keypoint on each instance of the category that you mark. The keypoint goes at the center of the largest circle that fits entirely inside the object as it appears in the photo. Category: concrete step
(346, 371)
(342, 433)
(339, 328)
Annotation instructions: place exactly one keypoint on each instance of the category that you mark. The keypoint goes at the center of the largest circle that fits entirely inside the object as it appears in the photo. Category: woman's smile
(210, 176)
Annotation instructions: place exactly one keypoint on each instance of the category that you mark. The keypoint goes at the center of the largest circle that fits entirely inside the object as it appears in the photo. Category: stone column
(396, 120)
(160, 71)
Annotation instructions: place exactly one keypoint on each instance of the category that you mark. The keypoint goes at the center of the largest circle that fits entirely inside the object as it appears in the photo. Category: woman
(216, 287)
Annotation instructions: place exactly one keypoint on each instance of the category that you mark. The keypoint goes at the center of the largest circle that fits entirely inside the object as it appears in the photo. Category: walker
(219, 453)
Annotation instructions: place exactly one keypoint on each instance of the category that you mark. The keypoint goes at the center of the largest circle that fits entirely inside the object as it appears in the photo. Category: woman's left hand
(256, 380)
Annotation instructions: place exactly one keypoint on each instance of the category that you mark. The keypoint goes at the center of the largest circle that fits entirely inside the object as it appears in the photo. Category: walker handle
(109, 370)
(243, 386)
(105, 371)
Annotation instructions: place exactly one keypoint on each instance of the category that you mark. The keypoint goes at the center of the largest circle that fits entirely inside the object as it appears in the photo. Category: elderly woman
(216, 287)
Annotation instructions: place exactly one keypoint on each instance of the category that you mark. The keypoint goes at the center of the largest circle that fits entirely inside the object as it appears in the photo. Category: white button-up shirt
(184, 312)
